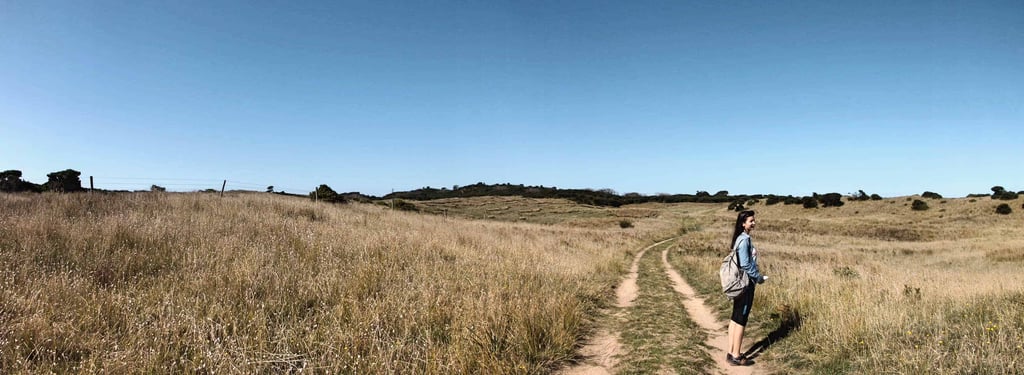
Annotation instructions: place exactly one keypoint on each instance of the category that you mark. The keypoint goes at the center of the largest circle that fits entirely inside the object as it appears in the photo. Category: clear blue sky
(752, 97)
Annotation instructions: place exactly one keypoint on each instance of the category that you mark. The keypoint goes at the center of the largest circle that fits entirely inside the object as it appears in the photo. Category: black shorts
(741, 305)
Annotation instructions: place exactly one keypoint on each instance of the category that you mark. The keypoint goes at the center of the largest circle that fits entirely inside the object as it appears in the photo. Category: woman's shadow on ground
(789, 320)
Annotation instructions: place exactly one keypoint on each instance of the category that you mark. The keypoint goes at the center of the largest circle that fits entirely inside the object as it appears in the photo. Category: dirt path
(600, 353)
(700, 313)
(601, 350)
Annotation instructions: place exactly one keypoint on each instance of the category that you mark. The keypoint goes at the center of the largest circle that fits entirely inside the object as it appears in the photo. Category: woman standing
(741, 305)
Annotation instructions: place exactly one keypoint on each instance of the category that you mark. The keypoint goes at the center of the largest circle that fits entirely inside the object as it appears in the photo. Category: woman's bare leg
(735, 338)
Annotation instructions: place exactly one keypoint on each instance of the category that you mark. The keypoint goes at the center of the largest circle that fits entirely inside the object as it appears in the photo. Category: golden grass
(193, 283)
(881, 288)
(538, 210)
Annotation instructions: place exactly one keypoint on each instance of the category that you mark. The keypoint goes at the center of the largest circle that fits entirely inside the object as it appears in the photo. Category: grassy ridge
(184, 283)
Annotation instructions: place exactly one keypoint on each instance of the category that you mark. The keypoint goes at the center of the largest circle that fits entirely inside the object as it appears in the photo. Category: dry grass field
(879, 288)
(258, 283)
(194, 283)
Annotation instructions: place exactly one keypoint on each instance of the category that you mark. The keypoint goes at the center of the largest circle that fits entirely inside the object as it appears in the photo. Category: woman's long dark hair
(740, 219)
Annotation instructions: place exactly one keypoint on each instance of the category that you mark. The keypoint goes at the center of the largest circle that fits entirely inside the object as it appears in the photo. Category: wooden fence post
(222, 186)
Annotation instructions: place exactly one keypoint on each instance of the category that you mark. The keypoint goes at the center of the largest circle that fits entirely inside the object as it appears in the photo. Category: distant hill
(582, 196)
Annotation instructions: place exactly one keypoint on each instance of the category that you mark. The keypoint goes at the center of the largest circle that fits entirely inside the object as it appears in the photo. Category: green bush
(919, 205)
(831, 200)
(326, 194)
(402, 205)
(810, 202)
(65, 181)
(1004, 209)
(931, 195)
(625, 224)
(876, 197)
(1006, 196)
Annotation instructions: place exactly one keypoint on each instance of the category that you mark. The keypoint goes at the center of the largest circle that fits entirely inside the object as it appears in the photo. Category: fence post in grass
(90, 185)
(222, 186)
(316, 195)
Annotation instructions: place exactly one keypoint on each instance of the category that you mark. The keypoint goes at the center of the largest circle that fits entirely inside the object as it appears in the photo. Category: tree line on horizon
(68, 181)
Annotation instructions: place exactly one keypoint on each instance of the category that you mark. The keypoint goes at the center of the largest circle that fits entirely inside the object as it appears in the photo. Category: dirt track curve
(600, 352)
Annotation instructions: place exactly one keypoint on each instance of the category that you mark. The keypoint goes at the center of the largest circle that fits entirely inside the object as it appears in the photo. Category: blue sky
(752, 97)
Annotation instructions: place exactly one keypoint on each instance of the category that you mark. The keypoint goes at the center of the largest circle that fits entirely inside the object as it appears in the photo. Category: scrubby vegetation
(1004, 209)
(919, 205)
(998, 192)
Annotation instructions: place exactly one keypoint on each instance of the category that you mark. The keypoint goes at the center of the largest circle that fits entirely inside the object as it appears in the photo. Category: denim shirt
(748, 259)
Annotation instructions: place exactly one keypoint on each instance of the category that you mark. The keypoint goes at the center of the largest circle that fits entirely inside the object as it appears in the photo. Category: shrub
(65, 181)
(326, 194)
(624, 223)
(1004, 209)
(1006, 196)
(10, 181)
(792, 200)
(402, 205)
(772, 200)
(919, 205)
(810, 202)
(931, 195)
(736, 206)
(831, 200)
(876, 197)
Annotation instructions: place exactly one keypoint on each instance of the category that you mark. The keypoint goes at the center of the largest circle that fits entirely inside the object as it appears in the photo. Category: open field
(193, 283)
(260, 283)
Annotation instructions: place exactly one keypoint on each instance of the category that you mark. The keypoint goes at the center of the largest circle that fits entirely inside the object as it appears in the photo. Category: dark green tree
(65, 181)
(326, 194)
(11, 182)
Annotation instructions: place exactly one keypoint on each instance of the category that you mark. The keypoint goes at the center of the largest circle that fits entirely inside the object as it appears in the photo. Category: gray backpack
(734, 278)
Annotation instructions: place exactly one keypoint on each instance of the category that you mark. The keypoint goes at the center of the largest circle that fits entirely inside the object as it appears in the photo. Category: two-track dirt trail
(603, 352)
(718, 338)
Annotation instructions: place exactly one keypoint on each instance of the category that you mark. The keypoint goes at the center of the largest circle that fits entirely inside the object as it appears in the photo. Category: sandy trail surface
(700, 313)
(600, 351)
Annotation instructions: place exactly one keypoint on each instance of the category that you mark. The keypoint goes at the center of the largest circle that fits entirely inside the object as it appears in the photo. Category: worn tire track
(717, 330)
(600, 351)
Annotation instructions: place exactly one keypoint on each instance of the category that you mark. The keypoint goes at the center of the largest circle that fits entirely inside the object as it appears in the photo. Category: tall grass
(193, 283)
(880, 288)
